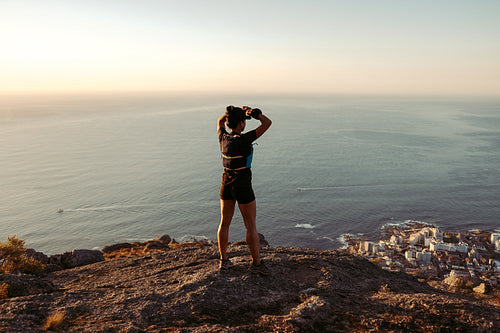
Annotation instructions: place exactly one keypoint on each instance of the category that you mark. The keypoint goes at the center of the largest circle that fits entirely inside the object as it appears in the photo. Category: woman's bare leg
(249, 213)
(226, 212)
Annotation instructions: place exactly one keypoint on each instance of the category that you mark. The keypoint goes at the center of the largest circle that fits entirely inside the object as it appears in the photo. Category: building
(438, 246)
(395, 240)
(495, 237)
(426, 236)
(367, 246)
(410, 254)
(462, 248)
(416, 238)
(424, 257)
(495, 240)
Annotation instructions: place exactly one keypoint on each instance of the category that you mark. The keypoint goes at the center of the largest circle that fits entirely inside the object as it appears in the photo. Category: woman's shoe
(225, 264)
(260, 269)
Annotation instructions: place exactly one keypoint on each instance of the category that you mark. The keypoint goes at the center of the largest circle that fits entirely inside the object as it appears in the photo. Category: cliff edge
(182, 290)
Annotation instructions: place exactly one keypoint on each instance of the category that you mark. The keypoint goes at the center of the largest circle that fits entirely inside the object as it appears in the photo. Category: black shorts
(237, 186)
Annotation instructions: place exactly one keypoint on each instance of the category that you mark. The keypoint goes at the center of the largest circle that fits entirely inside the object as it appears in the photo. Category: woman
(236, 186)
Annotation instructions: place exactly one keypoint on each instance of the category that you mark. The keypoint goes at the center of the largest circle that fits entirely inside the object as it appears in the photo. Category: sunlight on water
(135, 167)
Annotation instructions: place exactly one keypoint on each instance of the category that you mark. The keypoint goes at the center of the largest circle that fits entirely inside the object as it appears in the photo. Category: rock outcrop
(65, 260)
(116, 247)
(483, 288)
(182, 290)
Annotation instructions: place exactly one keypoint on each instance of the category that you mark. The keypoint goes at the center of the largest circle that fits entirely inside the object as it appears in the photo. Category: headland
(165, 286)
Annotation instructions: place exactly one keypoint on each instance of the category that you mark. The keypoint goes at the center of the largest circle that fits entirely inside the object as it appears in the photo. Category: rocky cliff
(182, 290)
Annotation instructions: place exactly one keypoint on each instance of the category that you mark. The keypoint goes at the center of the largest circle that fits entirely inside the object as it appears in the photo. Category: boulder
(56, 260)
(483, 288)
(76, 258)
(154, 245)
(163, 239)
(262, 240)
(456, 281)
(116, 247)
(84, 257)
(205, 242)
(313, 309)
(39, 256)
(460, 279)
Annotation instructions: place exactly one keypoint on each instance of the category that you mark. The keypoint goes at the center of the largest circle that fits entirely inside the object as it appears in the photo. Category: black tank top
(236, 149)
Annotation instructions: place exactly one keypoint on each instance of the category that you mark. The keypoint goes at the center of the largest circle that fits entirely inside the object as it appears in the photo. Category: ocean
(131, 167)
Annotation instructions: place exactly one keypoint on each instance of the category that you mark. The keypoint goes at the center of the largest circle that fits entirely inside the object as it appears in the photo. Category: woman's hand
(247, 109)
(254, 113)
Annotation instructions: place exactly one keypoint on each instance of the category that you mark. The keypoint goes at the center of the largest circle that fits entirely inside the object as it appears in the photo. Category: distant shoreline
(423, 250)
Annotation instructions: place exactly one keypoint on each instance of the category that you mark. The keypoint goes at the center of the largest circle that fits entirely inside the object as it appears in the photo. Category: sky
(259, 46)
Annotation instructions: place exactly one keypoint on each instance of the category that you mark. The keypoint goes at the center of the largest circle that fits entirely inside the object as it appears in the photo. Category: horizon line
(241, 93)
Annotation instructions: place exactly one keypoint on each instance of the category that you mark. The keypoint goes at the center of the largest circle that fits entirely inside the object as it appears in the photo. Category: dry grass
(54, 321)
(140, 249)
(4, 291)
(376, 261)
(175, 246)
(496, 296)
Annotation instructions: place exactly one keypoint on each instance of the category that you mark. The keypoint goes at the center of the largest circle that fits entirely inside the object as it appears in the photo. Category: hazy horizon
(79, 93)
(263, 47)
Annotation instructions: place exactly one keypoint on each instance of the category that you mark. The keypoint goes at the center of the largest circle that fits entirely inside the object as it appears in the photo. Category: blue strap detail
(249, 159)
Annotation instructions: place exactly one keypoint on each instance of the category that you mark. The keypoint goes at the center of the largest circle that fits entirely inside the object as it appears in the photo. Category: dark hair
(234, 116)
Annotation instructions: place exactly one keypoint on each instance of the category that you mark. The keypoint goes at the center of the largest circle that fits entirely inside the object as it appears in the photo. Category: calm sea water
(133, 167)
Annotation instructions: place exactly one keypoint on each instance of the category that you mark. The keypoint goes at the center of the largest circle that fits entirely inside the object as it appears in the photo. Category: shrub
(13, 257)
(54, 321)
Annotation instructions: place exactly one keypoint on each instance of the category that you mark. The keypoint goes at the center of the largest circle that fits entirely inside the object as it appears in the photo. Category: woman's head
(235, 116)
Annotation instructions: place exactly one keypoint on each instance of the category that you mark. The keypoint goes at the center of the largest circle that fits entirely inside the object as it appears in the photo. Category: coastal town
(426, 251)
